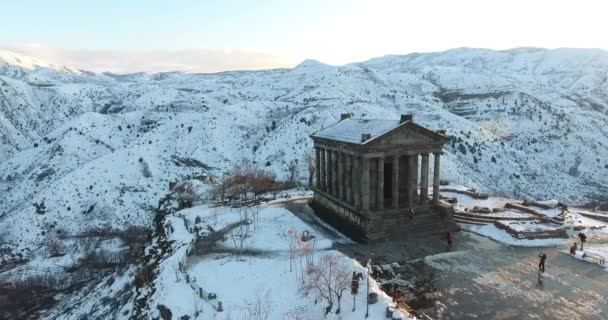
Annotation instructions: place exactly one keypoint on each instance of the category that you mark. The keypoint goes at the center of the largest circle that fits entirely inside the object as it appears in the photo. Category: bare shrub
(165, 313)
(145, 169)
(262, 181)
(295, 315)
(144, 277)
(101, 259)
(185, 194)
(55, 248)
(134, 236)
(260, 307)
(243, 179)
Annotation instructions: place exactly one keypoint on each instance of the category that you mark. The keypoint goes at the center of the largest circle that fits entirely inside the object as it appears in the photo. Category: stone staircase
(477, 219)
(425, 222)
(466, 218)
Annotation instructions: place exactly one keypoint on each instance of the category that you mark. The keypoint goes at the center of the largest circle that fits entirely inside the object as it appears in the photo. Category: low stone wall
(472, 194)
(523, 209)
(531, 235)
(492, 217)
(596, 216)
(536, 204)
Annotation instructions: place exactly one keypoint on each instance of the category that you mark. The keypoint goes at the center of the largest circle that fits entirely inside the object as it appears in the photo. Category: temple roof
(351, 130)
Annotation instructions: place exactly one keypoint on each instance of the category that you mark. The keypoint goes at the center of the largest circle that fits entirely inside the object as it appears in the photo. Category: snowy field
(262, 273)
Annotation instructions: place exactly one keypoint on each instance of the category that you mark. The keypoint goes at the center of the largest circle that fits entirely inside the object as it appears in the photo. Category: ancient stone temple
(371, 172)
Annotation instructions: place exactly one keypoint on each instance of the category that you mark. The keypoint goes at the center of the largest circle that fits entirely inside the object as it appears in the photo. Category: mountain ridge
(98, 150)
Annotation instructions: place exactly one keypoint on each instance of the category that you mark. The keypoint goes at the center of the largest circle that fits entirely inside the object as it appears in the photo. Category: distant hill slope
(99, 149)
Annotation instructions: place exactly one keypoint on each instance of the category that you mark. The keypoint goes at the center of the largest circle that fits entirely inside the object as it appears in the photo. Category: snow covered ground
(262, 272)
(81, 151)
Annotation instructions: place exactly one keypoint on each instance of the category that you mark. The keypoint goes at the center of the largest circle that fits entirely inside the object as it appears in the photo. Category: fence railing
(208, 297)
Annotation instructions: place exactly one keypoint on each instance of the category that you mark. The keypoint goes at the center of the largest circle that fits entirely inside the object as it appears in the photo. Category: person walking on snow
(450, 240)
(541, 264)
(583, 238)
(412, 214)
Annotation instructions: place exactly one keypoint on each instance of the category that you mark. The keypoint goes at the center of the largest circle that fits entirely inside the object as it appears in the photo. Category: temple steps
(461, 218)
(423, 223)
(458, 220)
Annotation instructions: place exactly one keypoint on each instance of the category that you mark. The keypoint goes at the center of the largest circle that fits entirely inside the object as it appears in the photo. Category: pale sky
(216, 35)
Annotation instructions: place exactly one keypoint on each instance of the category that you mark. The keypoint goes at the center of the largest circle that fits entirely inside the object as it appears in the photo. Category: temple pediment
(381, 132)
(406, 134)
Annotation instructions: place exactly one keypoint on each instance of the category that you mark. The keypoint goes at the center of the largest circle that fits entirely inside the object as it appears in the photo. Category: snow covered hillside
(81, 150)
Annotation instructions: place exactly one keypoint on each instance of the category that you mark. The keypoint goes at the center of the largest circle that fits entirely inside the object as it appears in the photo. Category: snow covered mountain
(81, 150)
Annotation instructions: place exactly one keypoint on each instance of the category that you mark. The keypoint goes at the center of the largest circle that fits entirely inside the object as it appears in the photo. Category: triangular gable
(408, 133)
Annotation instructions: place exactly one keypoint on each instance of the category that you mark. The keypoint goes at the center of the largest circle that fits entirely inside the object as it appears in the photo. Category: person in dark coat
(583, 238)
(541, 264)
(450, 240)
(412, 214)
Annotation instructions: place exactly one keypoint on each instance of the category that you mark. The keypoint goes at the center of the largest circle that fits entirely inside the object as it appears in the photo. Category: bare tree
(309, 159)
(327, 279)
(241, 233)
(255, 215)
(292, 167)
(292, 237)
(341, 282)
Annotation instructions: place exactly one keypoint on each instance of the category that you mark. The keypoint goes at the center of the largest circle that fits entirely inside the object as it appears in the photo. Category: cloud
(195, 60)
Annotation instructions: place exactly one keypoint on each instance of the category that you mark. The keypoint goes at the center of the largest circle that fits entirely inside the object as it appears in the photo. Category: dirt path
(301, 210)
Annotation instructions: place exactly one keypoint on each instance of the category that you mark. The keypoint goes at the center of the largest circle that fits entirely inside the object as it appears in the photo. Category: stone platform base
(430, 220)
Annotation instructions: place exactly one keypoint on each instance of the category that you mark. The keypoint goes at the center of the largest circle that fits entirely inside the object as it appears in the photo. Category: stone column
(373, 183)
(349, 179)
(424, 179)
(411, 178)
(317, 168)
(340, 175)
(334, 173)
(365, 184)
(328, 172)
(415, 178)
(403, 181)
(396, 181)
(380, 185)
(357, 182)
(436, 178)
(323, 171)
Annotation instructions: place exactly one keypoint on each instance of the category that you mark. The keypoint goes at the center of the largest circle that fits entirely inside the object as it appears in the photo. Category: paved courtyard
(482, 279)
